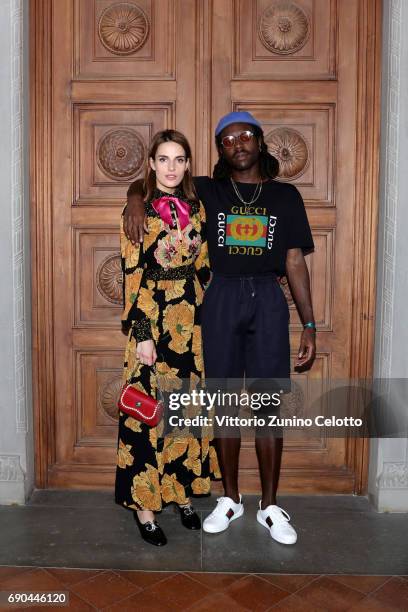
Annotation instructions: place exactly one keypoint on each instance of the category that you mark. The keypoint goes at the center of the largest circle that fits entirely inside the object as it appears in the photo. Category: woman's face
(170, 165)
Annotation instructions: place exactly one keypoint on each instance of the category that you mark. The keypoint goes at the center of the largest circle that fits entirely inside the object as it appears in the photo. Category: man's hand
(134, 219)
(146, 352)
(298, 277)
(307, 350)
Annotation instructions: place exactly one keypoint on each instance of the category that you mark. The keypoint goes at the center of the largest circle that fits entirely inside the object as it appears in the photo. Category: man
(257, 232)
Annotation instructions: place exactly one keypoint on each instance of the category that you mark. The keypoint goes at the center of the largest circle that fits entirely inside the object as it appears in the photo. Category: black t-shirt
(254, 243)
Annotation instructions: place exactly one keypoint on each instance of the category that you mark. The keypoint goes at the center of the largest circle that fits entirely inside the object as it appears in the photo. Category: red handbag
(140, 406)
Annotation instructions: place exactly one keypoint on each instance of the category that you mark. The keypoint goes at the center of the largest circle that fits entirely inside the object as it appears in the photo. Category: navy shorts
(245, 328)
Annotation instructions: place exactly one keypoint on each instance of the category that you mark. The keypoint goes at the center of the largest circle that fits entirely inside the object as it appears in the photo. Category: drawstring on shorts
(242, 287)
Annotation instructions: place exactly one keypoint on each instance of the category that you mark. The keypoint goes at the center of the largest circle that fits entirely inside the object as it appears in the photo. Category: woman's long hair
(187, 184)
(268, 164)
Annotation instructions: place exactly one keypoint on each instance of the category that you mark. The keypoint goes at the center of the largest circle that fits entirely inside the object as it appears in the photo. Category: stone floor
(348, 557)
(85, 529)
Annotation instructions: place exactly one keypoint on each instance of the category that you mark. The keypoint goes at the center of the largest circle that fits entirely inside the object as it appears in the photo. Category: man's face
(241, 155)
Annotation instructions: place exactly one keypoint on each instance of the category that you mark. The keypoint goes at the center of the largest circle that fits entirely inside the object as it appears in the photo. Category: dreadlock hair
(268, 164)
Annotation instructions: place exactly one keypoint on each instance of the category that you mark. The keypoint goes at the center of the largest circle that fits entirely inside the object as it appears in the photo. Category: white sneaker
(277, 521)
(225, 511)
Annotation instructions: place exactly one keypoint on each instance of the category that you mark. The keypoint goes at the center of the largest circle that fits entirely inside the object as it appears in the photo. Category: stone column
(16, 428)
(388, 474)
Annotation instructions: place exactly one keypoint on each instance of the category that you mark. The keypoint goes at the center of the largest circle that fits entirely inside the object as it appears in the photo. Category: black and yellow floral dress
(163, 282)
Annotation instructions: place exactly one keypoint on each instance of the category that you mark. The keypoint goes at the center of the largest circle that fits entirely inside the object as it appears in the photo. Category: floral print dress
(163, 282)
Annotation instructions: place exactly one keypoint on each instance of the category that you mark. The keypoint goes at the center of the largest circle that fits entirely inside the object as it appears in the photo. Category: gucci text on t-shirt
(246, 234)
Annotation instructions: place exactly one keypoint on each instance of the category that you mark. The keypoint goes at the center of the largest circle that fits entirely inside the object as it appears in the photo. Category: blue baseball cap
(236, 117)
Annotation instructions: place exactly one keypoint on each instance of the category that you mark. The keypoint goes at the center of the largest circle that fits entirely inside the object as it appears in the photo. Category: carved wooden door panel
(108, 74)
(294, 65)
(115, 85)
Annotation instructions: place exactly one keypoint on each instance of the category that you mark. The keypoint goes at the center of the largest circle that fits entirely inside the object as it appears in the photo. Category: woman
(163, 280)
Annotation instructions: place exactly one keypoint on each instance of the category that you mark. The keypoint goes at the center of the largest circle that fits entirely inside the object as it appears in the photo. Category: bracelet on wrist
(310, 325)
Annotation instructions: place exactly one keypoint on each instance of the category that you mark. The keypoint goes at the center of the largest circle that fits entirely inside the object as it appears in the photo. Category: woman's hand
(146, 352)
(209, 282)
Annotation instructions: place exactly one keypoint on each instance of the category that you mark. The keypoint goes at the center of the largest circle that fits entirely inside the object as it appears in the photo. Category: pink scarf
(162, 207)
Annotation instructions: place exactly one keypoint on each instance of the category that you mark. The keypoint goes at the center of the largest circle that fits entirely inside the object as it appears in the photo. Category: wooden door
(107, 76)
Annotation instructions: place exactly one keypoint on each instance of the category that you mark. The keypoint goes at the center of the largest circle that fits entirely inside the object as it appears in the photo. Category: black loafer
(151, 532)
(189, 517)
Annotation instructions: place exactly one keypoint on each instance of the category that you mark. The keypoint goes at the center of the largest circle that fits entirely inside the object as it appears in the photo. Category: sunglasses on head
(230, 141)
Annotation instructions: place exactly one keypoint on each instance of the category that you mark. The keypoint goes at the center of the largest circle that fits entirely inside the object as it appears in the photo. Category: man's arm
(134, 222)
(298, 277)
(134, 214)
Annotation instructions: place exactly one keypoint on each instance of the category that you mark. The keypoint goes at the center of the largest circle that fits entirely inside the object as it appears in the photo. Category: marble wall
(388, 475)
(16, 430)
